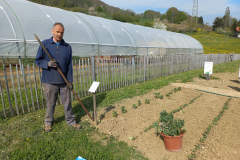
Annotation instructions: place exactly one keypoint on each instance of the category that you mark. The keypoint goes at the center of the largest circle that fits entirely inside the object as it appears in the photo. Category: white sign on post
(94, 87)
(239, 72)
(208, 67)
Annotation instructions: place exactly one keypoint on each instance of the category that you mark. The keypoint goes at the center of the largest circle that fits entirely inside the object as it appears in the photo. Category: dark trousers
(51, 94)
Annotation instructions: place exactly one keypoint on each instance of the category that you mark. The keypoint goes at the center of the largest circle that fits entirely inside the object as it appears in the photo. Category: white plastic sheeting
(88, 35)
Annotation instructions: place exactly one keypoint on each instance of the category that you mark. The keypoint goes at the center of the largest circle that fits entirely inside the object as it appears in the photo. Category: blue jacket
(62, 54)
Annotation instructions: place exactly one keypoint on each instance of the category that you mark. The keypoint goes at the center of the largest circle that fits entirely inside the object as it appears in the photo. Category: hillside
(215, 43)
(101, 9)
(98, 8)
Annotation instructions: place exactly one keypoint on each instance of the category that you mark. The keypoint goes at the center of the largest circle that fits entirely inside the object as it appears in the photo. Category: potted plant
(171, 130)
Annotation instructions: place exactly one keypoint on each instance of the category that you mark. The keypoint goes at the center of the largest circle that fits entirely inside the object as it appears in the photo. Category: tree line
(226, 25)
(173, 20)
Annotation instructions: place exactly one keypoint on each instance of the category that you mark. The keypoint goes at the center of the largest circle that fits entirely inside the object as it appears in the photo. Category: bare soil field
(223, 142)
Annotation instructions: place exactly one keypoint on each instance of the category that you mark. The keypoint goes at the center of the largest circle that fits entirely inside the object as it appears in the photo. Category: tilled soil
(223, 142)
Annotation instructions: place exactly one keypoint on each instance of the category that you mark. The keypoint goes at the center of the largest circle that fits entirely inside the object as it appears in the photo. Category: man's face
(58, 32)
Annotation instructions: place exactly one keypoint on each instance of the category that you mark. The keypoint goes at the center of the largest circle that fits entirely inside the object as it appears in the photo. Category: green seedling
(175, 90)
(197, 146)
(157, 95)
(147, 101)
(168, 95)
(123, 109)
(179, 88)
(114, 114)
(161, 97)
(101, 116)
(132, 138)
(191, 101)
(139, 102)
(134, 106)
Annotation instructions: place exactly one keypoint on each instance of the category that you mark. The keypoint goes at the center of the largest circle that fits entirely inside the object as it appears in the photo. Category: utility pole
(195, 10)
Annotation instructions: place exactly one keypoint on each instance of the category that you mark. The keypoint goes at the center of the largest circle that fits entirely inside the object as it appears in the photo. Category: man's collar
(62, 41)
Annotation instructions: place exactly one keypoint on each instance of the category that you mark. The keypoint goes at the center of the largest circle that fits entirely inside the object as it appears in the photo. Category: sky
(208, 9)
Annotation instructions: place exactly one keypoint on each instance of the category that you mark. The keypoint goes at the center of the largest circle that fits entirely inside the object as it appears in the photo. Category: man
(53, 83)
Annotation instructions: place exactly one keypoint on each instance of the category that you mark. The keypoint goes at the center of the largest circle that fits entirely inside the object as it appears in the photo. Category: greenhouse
(88, 35)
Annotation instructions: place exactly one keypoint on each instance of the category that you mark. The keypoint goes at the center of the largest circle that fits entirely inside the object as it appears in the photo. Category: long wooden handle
(63, 76)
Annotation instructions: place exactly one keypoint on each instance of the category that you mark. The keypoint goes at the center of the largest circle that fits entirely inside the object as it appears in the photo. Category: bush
(99, 9)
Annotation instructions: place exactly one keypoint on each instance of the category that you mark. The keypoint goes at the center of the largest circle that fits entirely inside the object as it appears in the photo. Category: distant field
(215, 43)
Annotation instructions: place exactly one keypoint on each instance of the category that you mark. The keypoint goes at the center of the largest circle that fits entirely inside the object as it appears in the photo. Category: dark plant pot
(173, 143)
(208, 76)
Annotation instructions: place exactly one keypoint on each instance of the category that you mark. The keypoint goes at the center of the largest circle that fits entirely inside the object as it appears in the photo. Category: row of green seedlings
(147, 101)
(155, 125)
(185, 105)
(157, 95)
(173, 90)
(123, 110)
(207, 131)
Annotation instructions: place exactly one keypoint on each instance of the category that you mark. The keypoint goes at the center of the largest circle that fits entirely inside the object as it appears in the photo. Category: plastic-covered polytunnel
(88, 35)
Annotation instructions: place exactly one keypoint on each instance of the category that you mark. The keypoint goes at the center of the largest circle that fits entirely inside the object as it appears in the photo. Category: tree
(150, 14)
(180, 17)
(171, 14)
(131, 12)
(183, 26)
(207, 27)
(164, 16)
(226, 17)
(158, 24)
(200, 21)
(238, 23)
(63, 3)
(218, 22)
(234, 26)
(92, 11)
(99, 8)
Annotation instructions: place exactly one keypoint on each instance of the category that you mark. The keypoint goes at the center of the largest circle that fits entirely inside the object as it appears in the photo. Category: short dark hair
(58, 23)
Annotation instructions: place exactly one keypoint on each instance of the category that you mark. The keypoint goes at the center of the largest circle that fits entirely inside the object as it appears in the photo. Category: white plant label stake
(239, 72)
(93, 90)
(94, 87)
(208, 68)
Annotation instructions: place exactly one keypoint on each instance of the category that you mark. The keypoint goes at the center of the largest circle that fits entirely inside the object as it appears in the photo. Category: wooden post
(94, 94)
(14, 92)
(8, 93)
(4, 111)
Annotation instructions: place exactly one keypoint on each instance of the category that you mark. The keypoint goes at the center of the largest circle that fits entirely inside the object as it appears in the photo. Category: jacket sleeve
(40, 61)
(70, 67)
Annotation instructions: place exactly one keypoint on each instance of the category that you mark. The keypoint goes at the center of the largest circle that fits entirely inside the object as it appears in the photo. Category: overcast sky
(208, 9)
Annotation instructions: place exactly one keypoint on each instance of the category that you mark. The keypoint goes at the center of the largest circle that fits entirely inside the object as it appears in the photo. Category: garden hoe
(63, 76)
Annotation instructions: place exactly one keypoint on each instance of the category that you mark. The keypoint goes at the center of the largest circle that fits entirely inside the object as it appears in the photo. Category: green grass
(22, 137)
(215, 43)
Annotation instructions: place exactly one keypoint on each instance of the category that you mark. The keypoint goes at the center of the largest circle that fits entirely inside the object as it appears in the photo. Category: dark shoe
(76, 126)
(48, 128)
